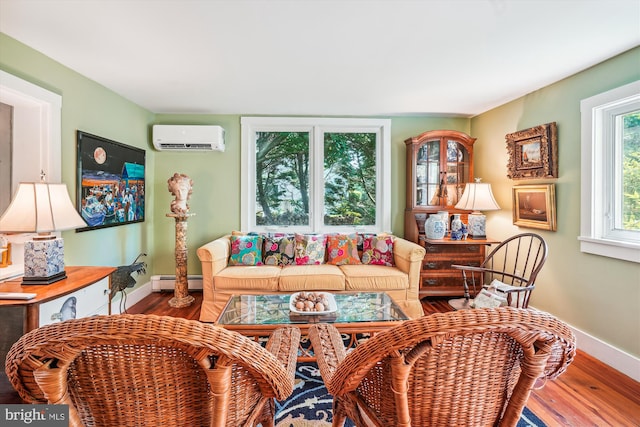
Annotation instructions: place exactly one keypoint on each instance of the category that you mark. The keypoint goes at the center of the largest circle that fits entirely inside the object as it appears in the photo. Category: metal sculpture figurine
(180, 185)
(122, 278)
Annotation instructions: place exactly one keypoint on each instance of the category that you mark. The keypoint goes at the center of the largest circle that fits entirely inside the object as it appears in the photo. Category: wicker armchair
(135, 370)
(462, 368)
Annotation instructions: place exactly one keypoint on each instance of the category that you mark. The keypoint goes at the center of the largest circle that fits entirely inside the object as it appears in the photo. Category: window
(316, 174)
(610, 206)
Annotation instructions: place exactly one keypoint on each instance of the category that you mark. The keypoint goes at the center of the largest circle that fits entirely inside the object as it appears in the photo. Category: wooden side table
(85, 292)
(88, 285)
(437, 278)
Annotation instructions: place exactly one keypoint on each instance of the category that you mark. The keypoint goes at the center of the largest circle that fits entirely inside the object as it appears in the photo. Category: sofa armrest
(408, 257)
(214, 256)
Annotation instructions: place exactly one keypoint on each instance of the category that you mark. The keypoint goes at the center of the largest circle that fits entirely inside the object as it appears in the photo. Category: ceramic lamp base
(477, 225)
(43, 261)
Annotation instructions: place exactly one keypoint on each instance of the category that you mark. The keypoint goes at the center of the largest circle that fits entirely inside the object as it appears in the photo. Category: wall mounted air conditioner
(188, 138)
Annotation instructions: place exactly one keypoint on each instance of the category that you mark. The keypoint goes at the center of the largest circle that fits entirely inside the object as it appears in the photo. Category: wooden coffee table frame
(306, 354)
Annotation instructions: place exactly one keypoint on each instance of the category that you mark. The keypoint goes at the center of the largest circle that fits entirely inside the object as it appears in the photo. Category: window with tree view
(350, 179)
(282, 178)
(628, 127)
(610, 199)
(315, 174)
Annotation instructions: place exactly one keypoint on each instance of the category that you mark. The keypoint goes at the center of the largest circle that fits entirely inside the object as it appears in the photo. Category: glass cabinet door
(427, 173)
(457, 171)
(440, 179)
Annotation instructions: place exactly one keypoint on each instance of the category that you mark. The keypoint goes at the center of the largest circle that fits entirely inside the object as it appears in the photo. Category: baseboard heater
(167, 283)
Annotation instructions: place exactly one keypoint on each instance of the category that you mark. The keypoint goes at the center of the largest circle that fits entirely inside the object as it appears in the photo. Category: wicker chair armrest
(283, 343)
(562, 340)
(199, 340)
(328, 348)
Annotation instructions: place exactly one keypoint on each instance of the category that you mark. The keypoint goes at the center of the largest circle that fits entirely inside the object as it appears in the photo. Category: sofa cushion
(324, 277)
(342, 249)
(373, 278)
(263, 277)
(279, 250)
(378, 250)
(310, 249)
(246, 250)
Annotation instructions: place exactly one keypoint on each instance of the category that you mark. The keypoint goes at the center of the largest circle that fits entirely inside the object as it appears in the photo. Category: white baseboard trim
(606, 353)
(168, 282)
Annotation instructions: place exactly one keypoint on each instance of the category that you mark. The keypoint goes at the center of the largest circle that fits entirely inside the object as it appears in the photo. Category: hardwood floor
(589, 393)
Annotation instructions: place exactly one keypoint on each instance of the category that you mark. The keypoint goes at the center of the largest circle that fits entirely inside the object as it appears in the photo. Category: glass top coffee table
(357, 313)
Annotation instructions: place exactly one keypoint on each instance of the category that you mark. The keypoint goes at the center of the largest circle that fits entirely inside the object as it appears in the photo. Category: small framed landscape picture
(534, 206)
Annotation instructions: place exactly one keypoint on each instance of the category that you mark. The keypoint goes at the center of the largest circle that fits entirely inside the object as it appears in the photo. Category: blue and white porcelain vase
(456, 223)
(435, 227)
(456, 227)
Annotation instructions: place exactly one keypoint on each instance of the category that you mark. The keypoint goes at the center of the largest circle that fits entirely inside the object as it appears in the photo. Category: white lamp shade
(40, 207)
(477, 196)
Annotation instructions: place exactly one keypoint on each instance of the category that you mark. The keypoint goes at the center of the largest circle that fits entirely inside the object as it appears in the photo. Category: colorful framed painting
(534, 206)
(533, 152)
(111, 185)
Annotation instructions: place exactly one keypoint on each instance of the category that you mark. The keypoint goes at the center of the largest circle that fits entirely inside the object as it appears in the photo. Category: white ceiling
(313, 57)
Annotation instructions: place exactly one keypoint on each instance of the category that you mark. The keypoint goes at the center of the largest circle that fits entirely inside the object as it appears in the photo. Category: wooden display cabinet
(437, 277)
(439, 164)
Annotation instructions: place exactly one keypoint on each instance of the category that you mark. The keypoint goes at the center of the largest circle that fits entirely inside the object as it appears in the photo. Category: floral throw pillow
(279, 250)
(378, 250)
(310, 248)
(361, 238)
(246, 250)
(342, 249)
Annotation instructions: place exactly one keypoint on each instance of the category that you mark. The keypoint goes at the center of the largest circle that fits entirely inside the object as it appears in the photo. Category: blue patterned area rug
(310, 404)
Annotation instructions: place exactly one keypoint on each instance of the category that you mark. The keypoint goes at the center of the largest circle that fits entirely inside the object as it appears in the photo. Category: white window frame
(600, 184)
(316, 128)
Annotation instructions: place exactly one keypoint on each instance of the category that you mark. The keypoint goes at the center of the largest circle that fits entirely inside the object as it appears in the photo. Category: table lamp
(43, 208)
(477, 196)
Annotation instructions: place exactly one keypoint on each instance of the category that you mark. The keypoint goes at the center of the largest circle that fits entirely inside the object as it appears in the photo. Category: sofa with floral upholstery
(250, 264)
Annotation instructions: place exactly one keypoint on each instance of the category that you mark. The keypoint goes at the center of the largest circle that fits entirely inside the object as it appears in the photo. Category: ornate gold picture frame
(533, 152)
(534, 206)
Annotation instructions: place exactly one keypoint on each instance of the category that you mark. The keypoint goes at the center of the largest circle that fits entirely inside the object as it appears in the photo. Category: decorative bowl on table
(312, 303)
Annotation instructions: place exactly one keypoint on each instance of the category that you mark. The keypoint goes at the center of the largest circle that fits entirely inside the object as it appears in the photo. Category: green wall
(597, 295)
(216, 183)
(90, 107)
